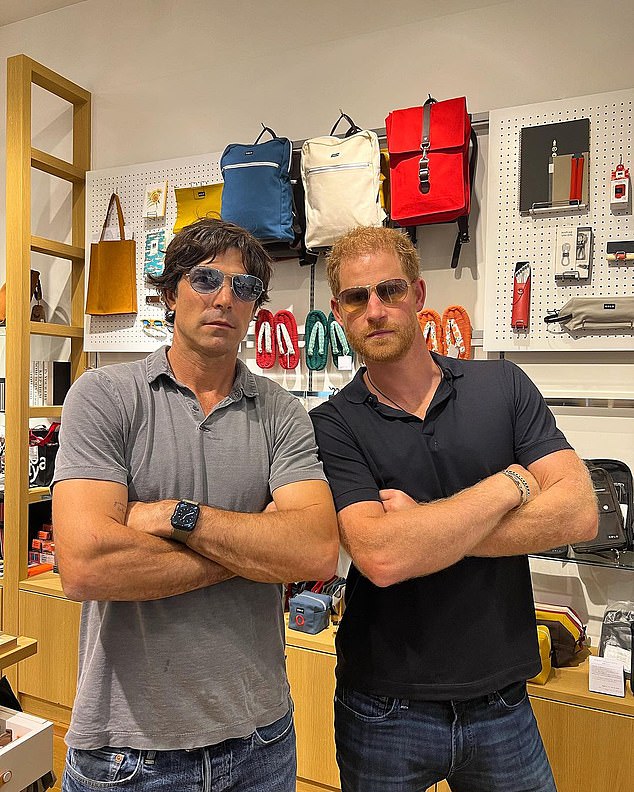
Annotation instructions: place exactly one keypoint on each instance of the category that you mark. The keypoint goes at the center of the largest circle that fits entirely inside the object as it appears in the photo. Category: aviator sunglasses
(391, 291)
(207, 280)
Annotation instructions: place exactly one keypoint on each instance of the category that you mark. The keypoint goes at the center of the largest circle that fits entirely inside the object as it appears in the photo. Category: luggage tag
(521, 296)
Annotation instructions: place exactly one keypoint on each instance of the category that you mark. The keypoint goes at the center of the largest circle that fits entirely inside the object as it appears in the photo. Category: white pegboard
(511, 237)
(123, 333)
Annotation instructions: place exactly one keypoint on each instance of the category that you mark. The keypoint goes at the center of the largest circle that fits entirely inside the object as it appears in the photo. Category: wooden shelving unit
(36, 606)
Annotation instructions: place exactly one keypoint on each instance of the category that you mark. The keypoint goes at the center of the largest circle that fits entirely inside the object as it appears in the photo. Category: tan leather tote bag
(112, 276)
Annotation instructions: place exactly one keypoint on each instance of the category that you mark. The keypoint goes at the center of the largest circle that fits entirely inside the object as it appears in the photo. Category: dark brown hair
(203, 241)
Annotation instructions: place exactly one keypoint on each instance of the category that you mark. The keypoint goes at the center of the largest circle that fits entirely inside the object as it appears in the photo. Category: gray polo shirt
(205, 666)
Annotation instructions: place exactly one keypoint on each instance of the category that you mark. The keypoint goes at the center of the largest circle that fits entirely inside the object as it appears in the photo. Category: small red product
(521, 296)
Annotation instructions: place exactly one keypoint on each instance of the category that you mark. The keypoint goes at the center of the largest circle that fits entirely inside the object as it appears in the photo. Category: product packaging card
(606, 676)
(572, 253)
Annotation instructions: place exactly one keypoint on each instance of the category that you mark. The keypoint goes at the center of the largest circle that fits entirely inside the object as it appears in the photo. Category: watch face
(185, 516)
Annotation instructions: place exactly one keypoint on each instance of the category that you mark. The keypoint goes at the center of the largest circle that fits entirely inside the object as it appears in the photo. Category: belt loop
(149, 757)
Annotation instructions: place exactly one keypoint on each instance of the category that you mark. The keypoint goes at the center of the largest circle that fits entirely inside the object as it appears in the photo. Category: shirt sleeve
(92, 435)
(346, 468)
(536, 433)
(293, 448)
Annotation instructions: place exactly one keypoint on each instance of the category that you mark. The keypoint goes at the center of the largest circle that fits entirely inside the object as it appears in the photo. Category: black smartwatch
(184, 520)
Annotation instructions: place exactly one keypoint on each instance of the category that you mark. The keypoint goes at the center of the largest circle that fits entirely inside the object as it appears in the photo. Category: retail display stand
(36, 606)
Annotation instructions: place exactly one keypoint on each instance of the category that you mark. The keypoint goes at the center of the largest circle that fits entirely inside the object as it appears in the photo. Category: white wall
(173, 78)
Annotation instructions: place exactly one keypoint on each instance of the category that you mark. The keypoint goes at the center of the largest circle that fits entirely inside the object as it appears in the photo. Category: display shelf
(56, 330)
(26, 647)
(53, 411)
(37, 494)
(47, 583)
(608, 558)
(570, 686)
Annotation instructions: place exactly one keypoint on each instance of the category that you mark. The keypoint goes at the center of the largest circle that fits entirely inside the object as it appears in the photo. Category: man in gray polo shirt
(164, 531)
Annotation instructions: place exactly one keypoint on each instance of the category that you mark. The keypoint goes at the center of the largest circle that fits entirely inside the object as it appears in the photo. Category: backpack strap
(423, 165)
(463, 222)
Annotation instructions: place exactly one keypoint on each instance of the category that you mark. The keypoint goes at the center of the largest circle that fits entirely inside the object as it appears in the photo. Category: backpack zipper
(251, 165)
(343, 166)
(314, 599)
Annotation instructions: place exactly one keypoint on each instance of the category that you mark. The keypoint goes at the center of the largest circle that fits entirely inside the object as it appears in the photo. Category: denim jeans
(487, 744)
(262, 762)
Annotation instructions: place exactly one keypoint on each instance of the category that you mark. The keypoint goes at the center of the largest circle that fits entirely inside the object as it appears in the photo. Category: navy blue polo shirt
(468, 629)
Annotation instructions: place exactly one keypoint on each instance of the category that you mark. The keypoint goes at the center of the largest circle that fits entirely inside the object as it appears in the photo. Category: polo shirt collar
(244, 383)
(357, 391)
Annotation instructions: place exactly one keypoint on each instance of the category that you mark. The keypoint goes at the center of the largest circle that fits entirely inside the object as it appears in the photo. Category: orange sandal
(456, 329)
(429, 321)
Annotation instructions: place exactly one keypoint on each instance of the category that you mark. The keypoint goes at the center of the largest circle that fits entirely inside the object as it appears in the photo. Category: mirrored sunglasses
(389, 292)
(153, 323)
(207, 280)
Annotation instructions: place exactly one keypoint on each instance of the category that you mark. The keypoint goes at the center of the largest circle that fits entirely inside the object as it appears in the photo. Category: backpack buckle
(423, 171)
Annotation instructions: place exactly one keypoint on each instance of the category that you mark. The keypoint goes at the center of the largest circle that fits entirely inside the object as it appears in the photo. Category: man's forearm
(131, 566)
(276, 546)
(403, 544)
(557, 516)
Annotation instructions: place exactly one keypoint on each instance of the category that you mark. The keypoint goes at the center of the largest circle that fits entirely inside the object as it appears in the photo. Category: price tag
(344, 363)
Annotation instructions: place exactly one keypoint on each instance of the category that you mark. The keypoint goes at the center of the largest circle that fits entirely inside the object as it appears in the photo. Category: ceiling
(15, 10)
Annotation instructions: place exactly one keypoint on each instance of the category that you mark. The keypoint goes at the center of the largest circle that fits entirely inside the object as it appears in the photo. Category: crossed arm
(111, 550)
(399, 539)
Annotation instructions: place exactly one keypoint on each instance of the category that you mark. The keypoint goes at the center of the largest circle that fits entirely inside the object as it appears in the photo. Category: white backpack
(341, 183)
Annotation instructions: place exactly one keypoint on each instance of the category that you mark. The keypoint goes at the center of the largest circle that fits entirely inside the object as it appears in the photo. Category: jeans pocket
(512, 695)
(103, 767)
(276, 731)
(366, 706)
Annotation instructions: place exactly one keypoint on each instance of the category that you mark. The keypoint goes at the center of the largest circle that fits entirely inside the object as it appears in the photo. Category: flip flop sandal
(338, 342)
(430, 324)
(287, 341)
(265, 349)
(316, 340)
(457, 332)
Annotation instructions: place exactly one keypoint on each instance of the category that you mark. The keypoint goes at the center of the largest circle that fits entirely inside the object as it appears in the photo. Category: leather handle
(353, 128)
(265, 129)
(114, 200)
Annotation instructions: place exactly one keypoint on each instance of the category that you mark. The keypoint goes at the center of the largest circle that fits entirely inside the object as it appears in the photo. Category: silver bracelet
(521, 484)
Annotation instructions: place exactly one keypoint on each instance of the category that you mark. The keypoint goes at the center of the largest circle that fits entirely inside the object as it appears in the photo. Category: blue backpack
(257, 192)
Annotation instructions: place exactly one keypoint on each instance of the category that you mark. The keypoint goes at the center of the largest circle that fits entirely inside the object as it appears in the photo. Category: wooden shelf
(26, 648)
(42, 161)
(47, 583)
(570, 686)
(50, 329)
(50, 247)
(322, 642)
(53, 411)
(37, 494)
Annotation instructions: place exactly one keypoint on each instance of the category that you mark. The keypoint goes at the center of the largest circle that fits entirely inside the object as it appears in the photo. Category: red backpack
(431, 169)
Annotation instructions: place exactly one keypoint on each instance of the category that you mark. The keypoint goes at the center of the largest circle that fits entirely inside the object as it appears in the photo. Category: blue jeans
(487, 744)
(262, 762)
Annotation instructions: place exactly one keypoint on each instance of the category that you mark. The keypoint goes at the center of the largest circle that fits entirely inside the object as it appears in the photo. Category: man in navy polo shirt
(445, 474)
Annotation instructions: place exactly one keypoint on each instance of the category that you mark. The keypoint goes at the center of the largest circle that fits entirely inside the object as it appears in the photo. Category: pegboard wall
(512, 237)
(124, 332)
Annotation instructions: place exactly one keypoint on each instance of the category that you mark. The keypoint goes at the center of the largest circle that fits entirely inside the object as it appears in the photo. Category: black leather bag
(623, 481)
(611, 534)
